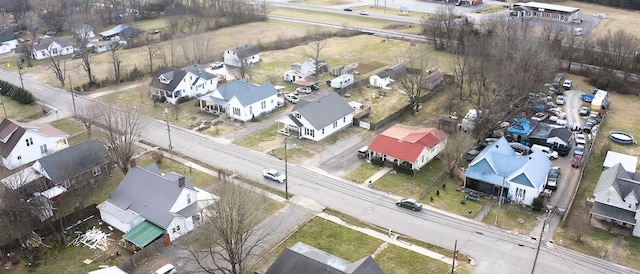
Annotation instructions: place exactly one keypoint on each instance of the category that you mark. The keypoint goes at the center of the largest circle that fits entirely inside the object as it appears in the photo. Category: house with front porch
(177, 85)
(411, 147)
(318, 118)
(149, 204)
(242, 100)
(51, 47)
(616, 198)
(498, 169)
(23, 143)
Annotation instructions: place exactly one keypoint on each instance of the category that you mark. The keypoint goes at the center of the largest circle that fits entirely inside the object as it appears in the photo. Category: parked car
(567, 84)
(557, 80)
(520, 148)
(575, 127)
(577, 161)
(166, 269)
(76, 55)
(291, 98)
(581, 139)
(306, 90)
(592, 118)
(217, 65)
(410, 204)
(588, 126)
(364, 12)
(274, 175)
(314, 87)
(558, 112)
(552, 178)
(579, 150)
(348, 9)
(540, 116)
(560, 100)
(586, 97)
(584, 111)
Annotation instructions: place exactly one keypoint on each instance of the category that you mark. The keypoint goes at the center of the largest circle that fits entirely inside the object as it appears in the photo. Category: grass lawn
(398, 260)
(69, 125)
(362, 173)
(623, 115)
(513, 217)
(449, 199)
(492, 9)
(352, 19)
(324, 2)
(617, 19)
(410, 186)
(20, 112)
(259, 140)
(198, 178)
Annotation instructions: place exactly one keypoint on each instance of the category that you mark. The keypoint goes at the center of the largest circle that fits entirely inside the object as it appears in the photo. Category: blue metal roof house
(499, 166)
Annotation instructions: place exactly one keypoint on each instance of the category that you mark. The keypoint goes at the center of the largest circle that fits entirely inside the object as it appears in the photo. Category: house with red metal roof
(411, 147)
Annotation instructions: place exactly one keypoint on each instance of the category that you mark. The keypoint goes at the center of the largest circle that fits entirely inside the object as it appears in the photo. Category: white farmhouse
(22, 143)
(317, 119)
(182, 84)
(246, 54)
(242, 100)
(51, 47)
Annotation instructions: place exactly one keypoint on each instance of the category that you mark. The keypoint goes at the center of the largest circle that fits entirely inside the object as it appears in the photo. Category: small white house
(246, 54)
(242, 100)
(50, 47)
(100, 46)
(182, 84)
(8, 42)
(341, 81)
(380, 80)
(22, 143)
(152, 203)
(301, 72)
(411, 147)
(317, 119)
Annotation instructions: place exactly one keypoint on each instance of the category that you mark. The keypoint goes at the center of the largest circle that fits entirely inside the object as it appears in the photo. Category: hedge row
(17, 94)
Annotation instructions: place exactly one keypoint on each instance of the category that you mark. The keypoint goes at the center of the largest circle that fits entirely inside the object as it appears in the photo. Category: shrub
(17, 94)
(538, 203)
(404, 169)
(157, 156)
(377, 161)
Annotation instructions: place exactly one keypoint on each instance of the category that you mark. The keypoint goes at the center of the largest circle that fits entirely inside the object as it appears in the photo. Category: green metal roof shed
(143, 234)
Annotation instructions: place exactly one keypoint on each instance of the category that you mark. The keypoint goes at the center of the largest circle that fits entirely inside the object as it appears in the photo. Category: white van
(166, 269)
(552, 154)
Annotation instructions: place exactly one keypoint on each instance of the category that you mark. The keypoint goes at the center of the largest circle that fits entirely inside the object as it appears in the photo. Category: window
(335, 124)
(178, 228)
(323, 131)
(188, 198)
(19, 157)
(29, 141)
(236, 111)
(298, 115)
(96, 171)
(250, 109)
(263, 104)
(344, 119)
(43, 148)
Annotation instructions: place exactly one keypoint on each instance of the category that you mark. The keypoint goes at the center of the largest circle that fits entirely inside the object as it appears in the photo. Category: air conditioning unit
(91, 180)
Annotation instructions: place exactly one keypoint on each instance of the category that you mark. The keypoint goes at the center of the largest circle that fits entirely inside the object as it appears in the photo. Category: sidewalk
(369, 182)
(116, 90)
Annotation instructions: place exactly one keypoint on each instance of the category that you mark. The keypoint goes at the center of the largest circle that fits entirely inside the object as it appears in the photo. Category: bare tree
(152, 52)
(315, 48)
(457, 144)
(234, 235)
(115, 61)
(89, 115)
(197, 49)
(412, 83)
(172, 24)
(441, 27)
(122, 127)
(58, 66)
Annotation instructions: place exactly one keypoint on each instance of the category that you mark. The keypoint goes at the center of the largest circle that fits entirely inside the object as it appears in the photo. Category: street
(494, 250)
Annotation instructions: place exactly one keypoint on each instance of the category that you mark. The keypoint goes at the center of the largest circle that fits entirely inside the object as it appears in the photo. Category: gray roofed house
(617, 197)
(145, 195)
(8, 42)
(319, 118)
(242, 100)
(75, 165)
(173, 84)
(51, 47)
(122, 31)
(559, 137)
(242, 55)
(303, 258)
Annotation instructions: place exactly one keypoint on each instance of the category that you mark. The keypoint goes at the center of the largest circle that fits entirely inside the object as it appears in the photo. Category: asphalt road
(494, 250)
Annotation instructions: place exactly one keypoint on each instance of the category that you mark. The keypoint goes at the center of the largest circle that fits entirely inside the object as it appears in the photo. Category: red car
(577, 161)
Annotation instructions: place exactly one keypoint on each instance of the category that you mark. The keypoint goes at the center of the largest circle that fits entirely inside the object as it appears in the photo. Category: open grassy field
(617, 19)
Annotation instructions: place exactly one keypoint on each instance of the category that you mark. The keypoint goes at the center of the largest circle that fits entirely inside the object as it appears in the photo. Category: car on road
(579, 150)
(217, 65)
(306, 90)
(291, 98)
(584, 111)
(364, 12)
(410, 204)
(567, 84)
(581, 139)
(274, 175)
(348, 9)
(577, 161)
(560, 100)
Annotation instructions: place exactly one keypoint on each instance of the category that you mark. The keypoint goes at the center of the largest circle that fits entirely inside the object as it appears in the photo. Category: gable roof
(174, 76)
(199, 71)
(122, 30)
(247, 93)
(323, 111)
(245, 51)
(406, 142)
(149, 194)
(302, 258)
(562, 133)
(44, 43)
(75, 160)
(625, 183)
(7, 37)
(628, 162)
(11, 132)
(498, 161)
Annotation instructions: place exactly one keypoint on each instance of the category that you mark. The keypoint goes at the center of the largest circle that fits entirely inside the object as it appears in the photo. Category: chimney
(132, 162)
(181, 181)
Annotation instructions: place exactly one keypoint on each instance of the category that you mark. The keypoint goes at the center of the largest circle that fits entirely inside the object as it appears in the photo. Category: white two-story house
(175, 85)
(50, 47)
(317, 119)
(22, 143)
(242, 55)
(242, 100)
(152, 204)
(616, 198)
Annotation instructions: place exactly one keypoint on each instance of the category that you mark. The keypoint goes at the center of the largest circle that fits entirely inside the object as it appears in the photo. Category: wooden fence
(142, 254)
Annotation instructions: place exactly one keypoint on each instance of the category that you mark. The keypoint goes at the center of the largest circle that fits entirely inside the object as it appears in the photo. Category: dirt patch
(398, 26)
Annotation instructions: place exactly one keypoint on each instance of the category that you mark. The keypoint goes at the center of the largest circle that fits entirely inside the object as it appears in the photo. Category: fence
(142, 254)
(432, 185)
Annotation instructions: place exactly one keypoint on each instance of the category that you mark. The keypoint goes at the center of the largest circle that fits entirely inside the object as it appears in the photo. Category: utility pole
(166, 116)
(455, 256)
(73, 98)
(535, 259)
(19, 63)
(500, 199)
(286, 165)
(2, 102)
